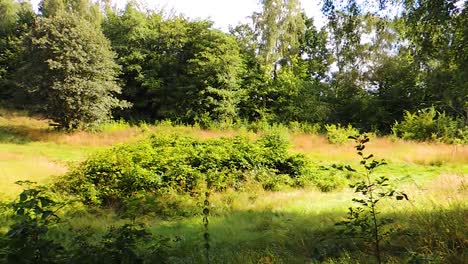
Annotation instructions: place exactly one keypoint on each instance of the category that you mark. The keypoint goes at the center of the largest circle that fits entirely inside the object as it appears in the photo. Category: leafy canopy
(70, 71)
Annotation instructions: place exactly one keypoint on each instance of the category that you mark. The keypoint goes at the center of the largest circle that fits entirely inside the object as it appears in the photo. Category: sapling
(363, 220)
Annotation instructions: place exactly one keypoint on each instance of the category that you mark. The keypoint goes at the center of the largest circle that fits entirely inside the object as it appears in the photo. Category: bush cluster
(168, 163)
(337, 134)
(430, 124)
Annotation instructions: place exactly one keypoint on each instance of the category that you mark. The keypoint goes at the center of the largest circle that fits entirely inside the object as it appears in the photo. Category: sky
(222, 12)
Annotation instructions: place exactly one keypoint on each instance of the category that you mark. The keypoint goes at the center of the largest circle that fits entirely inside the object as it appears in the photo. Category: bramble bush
(181, 164)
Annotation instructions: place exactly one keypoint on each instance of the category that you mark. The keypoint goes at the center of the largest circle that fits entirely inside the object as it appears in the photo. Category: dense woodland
(81, 63)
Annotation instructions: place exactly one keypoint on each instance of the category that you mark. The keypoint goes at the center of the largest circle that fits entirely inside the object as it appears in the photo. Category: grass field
(257, 226)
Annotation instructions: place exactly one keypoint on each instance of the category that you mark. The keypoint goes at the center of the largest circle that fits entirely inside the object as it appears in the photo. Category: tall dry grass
(422, 153)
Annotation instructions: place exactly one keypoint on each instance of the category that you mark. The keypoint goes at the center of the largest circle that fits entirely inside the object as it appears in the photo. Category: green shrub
(174, 163)
(308, 128)
(429, 124)
(113, 126)
(327, 182)
(336, 134)
(27, 241)
(259, 125)
(329, 178)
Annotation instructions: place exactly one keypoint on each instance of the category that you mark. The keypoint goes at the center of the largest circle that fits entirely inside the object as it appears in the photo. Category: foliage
(174, 68)
(331, 178)
(362, 68)
(336, 134)
(249, 224)
(129, 243)
(85, 9)
(29, 238)
(26, 240)
(164, 163)
(68, 68)
(278, 28)
(404, 63)
(15, 22)
(430, 124)
(306, 128)
(363, 221)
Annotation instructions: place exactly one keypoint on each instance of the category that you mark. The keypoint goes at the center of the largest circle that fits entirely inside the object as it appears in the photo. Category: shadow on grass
(269, 236)
(19, 134)
(248, 237)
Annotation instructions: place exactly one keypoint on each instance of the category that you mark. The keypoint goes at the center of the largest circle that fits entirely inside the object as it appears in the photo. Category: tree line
(81, 63)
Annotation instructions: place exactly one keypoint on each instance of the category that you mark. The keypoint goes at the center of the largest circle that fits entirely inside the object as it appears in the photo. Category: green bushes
(336, 134)
(430, 124)
(327, 180)
(36, 235)
(168, 163)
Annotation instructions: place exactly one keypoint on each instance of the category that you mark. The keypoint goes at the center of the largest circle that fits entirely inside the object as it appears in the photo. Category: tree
(194, 72)
(215, 71)
(86, 9)
(132, 34)
(16, 20)
(69, 69)
(253, 81)
(8, 18)
(347, 94)
(437, 30)
(175, 68)
(268, 47)
(431, 45)
(279, 28)
(313, 50)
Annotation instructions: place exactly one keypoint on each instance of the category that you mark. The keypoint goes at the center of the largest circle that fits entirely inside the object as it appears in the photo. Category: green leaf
(23, 196)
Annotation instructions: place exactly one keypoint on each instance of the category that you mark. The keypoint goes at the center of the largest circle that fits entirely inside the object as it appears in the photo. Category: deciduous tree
(70, 70)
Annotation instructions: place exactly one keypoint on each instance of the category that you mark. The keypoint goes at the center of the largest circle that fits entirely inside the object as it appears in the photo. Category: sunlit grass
(288, 226)
(16, 168)
(421, 153)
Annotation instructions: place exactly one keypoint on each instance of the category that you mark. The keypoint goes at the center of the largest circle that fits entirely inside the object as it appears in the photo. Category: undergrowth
(165, 164)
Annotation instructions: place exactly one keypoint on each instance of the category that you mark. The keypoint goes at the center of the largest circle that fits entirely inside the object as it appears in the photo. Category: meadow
(290, 224)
